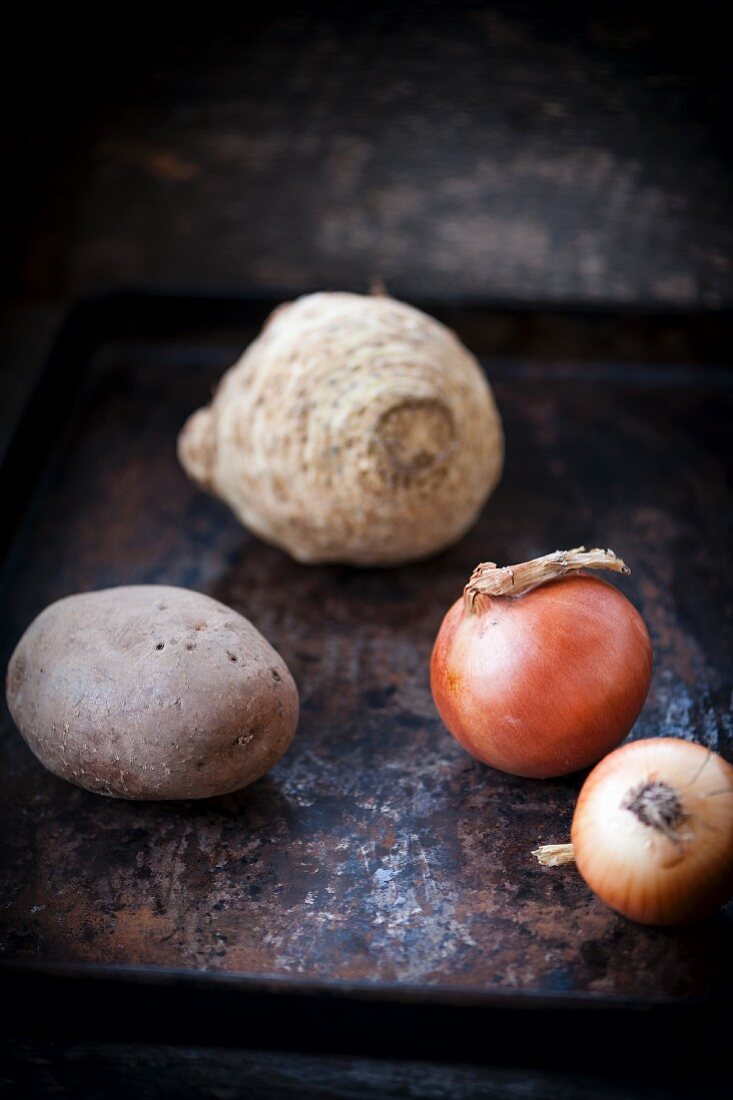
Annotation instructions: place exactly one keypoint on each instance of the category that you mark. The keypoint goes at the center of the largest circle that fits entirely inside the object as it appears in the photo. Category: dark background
(566, 165)
(510, 152)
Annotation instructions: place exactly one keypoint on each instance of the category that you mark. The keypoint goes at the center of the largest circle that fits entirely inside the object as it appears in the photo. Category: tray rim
(572, 1032)
(88, 324)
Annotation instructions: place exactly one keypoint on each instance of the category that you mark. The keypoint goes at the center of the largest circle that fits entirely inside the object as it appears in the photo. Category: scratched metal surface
(377, 849)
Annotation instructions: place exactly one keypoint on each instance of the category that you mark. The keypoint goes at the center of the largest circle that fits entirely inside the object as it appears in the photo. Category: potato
(354, 429)
(151, 692)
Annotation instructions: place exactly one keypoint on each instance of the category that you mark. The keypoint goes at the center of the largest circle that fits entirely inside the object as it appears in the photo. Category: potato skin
(151, 692)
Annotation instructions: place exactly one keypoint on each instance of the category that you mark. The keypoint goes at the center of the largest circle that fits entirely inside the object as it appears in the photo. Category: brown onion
(652, 833)
(540, 669)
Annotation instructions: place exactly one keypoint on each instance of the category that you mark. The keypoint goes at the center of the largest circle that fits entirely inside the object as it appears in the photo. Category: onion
(652, 833)
(540, 669)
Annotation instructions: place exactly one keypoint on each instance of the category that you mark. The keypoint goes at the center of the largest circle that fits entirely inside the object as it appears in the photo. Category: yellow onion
(540, 668)
(652, 833)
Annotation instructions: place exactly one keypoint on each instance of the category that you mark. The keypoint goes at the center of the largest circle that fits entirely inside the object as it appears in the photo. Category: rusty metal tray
(376, 891)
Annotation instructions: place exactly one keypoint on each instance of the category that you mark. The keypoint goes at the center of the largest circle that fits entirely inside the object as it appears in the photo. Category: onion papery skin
(637, 869)
(543, 683)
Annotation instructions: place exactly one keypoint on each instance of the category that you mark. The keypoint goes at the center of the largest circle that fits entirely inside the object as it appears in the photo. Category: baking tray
(375, 893)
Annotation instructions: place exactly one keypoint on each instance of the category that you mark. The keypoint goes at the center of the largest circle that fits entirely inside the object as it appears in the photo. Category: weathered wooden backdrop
(492, 151)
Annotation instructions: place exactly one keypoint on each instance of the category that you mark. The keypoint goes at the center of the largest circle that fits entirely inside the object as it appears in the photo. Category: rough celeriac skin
(355, 429)
(151, 692)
